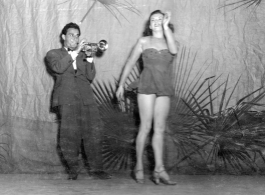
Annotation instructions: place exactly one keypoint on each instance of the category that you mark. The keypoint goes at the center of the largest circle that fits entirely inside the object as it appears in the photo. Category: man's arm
(90, 70)
(58, 64)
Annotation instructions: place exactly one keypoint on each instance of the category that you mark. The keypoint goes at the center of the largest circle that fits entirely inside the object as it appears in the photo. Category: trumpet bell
(103, 45)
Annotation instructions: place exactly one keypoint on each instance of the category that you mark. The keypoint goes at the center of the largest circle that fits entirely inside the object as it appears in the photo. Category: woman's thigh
(146, 104)
(161, 111)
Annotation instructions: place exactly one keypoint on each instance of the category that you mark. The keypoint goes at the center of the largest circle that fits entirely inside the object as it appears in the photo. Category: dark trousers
(77, 123)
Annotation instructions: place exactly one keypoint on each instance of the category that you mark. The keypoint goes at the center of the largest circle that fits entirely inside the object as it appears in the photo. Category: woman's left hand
(166, 19)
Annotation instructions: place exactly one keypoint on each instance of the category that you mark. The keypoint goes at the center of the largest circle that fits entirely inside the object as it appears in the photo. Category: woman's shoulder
(144, 40)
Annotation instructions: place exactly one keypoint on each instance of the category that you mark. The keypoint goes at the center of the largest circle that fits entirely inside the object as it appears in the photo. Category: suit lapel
(63, 51)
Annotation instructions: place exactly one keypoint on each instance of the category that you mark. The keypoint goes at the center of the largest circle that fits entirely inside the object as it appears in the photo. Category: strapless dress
(156, 77)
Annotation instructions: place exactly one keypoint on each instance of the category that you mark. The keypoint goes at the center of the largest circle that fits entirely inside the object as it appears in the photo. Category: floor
(56, 184)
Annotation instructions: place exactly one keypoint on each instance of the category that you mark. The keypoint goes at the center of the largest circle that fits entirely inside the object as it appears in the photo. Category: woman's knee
(159, 128)
(145, 127)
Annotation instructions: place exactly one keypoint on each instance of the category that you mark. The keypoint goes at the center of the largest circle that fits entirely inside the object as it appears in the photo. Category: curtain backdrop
(221, 41)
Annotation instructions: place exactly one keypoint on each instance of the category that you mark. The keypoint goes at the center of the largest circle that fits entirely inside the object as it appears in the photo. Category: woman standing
(158, 48)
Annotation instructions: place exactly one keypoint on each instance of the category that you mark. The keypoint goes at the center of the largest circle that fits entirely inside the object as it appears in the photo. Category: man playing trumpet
(74, 71)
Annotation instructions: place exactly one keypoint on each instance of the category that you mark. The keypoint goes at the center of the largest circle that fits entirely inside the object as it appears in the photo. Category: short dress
(156, 77)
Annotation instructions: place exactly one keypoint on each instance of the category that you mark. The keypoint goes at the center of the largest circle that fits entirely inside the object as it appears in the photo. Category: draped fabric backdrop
(226, 41)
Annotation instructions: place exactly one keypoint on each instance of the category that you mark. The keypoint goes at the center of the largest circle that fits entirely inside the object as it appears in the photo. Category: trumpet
(95, 47)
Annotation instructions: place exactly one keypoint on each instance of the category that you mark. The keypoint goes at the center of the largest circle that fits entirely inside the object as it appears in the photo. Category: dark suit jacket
(68, 83)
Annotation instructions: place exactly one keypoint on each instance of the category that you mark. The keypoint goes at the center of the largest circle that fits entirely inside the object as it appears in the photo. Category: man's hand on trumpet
(80, 46)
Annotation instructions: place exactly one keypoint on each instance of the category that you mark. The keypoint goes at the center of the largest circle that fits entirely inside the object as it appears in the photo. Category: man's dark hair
(70, 25)
(65, 29)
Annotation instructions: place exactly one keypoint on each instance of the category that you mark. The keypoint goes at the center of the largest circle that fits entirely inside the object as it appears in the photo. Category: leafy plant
(222, 134)
(120, 126)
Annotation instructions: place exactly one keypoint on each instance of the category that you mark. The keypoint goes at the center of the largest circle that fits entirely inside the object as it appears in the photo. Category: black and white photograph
(132, 97)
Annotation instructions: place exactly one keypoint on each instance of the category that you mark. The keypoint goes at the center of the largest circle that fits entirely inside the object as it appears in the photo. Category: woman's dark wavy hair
(147, 30)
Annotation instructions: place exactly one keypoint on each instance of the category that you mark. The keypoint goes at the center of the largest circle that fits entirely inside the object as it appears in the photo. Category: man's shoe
(72, 176)
(100, 174)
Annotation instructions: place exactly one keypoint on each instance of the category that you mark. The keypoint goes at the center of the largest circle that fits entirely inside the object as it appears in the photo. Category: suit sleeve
(90, 71)
(57, 63)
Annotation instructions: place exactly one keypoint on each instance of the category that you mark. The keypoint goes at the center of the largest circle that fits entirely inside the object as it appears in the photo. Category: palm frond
(63, 2)
(88, 12)
(113, 7)
(120, 126)
(215, 136)
(6, 157)
(224, 128)
(242, 3)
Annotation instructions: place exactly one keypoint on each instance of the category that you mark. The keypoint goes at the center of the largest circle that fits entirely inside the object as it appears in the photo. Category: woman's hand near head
(171, 43)
(166, 20)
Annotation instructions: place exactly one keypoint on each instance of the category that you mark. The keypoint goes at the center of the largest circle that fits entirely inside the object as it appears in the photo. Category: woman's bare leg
(146, 109)
(162, 107)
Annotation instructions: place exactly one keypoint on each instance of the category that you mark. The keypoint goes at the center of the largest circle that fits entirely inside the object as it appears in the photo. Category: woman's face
(156, 21)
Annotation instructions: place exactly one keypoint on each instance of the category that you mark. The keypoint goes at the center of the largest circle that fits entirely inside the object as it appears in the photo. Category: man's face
(71, 39)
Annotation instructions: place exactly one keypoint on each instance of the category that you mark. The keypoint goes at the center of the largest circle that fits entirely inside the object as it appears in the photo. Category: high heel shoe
(158, 177)
(137, 179)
